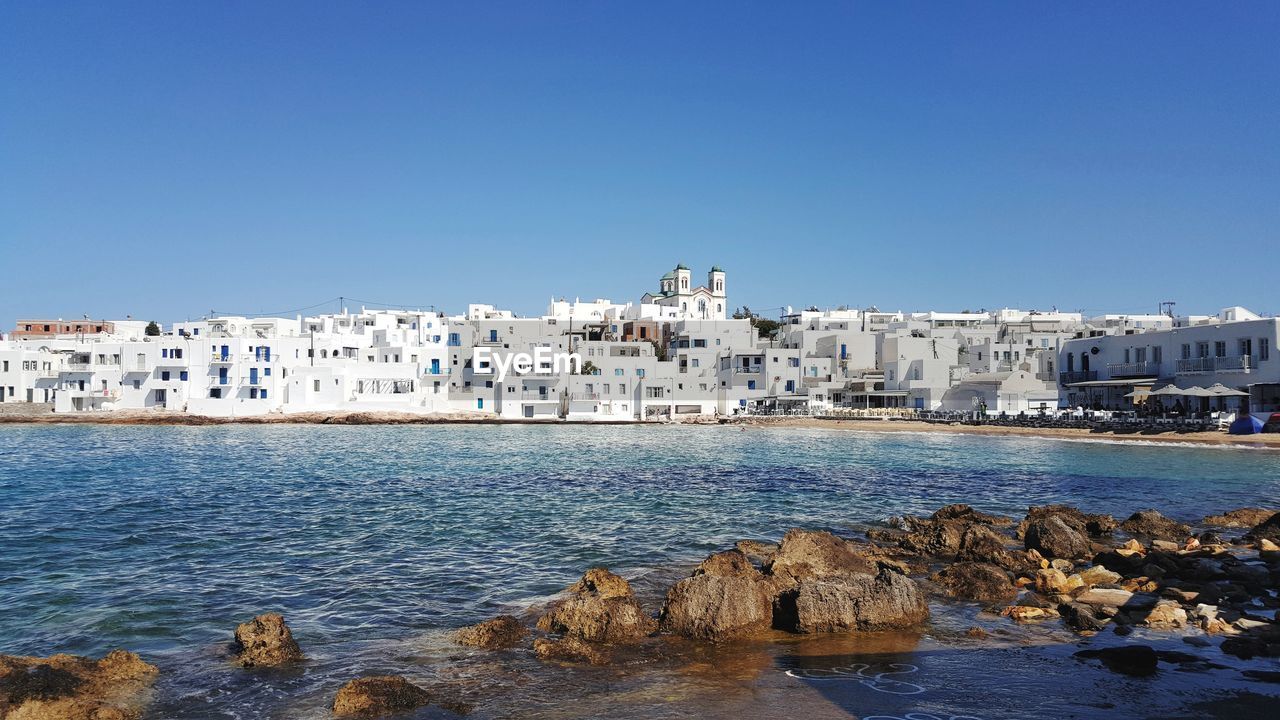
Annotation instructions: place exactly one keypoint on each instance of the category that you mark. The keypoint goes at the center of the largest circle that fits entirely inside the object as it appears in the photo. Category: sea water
(376, 542)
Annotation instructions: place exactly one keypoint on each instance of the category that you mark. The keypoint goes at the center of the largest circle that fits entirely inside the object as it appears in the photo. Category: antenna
(1166, 307)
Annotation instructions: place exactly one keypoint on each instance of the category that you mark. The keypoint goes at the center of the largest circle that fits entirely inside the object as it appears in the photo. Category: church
(704, 302)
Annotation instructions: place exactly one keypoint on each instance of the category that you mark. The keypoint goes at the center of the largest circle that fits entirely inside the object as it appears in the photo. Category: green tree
(589, 368)
(152, 329)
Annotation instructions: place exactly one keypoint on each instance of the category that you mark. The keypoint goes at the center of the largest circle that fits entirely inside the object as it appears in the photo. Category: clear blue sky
(164, 159)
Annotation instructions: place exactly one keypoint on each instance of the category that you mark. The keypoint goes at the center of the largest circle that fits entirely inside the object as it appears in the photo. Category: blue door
(226, 352)
(253, 376)
(435, 366)
(479, 403)
(222, 376)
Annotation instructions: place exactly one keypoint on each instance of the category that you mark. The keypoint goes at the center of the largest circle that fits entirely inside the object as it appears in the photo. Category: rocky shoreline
(1087, 573)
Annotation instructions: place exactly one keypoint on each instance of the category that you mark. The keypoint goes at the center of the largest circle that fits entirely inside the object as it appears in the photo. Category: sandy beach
(144, 417)
(1268, 441)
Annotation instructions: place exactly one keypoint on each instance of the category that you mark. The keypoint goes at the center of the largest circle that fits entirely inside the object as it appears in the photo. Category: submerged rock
(976, 581)
(1053, 537)
(882, 601)
(1136, 660)
(265, 641)
(69, 687)
(570, 650)
(1240, 518)
(1152, 524)
(379, 695)
(601, 608)
(725, 596)
(500, 633)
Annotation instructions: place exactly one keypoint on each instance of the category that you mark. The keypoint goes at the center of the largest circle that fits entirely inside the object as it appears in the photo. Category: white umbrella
(1220, 390)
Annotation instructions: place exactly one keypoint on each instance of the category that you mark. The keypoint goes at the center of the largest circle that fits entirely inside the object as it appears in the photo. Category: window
(316, 385)
(622, 388)
(266, 371)
(262, 393)
(1157, 353)
(793, 362)
(164, 375)
(164, 352)
(639, 372)
(791, 386)
(694, 362)
(182, 376)
(751, 384)
(1220, 348)
(1202, 349)
(1246, 347)
(618, 371)
(1186, 351)
(1264, 348)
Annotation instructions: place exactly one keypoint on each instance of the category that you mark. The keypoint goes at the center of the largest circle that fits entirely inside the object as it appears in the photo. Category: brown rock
(808, 554)
(725, 596)
(1053, 537)
(1268, 529)
(601, 608)
(379, 695)
(500, 633)
(1152, 524)
(68, 687)
(1165, 614)
(1098, 575)
(976, 581)
(1086, 524)
(1052, 581)
(968, 514)
(882, 601)
(757, 551)
(1240, 518)
(980, 543)
(265, 641)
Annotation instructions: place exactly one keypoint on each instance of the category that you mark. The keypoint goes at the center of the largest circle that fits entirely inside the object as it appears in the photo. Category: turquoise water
(375, 540)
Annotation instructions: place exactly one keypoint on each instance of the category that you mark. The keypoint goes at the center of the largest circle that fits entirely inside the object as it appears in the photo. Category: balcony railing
(1134, 369)
(539, 396)
(1230, 363)
(1067, 378)
(747, 370)
(77, 367)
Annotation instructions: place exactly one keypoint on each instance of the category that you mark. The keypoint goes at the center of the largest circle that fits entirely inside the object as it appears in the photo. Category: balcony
(747, 370)
(1077, 376)
(222, 360)
(540, 397)
(220, 381)
(584, 396)
(1146, 368)
(1204, 365)
(77, 367)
